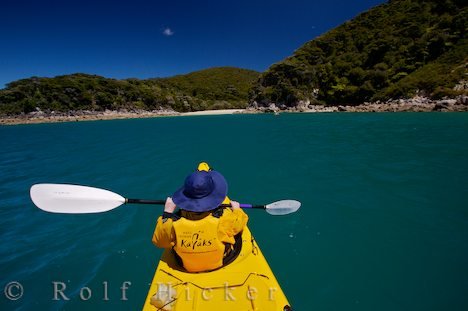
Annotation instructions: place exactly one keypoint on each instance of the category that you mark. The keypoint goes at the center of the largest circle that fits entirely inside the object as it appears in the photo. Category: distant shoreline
(81, 116)
(416, 104)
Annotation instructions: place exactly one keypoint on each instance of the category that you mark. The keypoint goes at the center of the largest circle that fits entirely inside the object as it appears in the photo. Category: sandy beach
(213, 112)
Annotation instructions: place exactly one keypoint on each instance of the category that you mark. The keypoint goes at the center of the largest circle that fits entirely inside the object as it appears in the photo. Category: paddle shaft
(246, 206)
(141, 201)
(162, 202)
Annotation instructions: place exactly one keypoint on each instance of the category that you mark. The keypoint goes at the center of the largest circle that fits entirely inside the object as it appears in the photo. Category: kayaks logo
(195, 241)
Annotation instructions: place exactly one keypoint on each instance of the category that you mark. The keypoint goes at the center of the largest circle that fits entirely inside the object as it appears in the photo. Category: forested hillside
(215, 88)
(398, 49)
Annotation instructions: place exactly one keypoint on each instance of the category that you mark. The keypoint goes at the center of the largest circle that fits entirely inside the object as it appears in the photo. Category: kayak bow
(247, 283)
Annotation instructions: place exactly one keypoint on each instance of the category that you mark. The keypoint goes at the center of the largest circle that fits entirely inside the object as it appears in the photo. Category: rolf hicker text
(60, 291)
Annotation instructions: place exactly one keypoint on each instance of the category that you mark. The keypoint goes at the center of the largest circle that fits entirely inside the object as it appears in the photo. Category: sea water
(383, 223)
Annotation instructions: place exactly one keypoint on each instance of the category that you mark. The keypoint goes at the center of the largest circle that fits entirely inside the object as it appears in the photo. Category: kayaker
(202, 233)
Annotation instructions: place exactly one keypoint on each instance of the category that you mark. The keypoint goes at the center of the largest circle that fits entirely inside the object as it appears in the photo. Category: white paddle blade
(74, 199)
(283, 207)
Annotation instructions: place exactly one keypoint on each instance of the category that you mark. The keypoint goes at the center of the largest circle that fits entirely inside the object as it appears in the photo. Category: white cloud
(168, 32)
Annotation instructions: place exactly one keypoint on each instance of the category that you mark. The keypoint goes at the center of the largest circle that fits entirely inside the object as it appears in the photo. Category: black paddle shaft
(141, 201)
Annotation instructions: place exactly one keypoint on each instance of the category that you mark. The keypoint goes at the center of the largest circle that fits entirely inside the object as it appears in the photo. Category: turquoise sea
(383, 226)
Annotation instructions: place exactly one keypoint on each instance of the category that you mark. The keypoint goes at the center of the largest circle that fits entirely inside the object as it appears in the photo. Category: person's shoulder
(230, 212)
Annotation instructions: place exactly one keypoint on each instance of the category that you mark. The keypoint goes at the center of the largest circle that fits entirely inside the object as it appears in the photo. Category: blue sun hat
(202, 191)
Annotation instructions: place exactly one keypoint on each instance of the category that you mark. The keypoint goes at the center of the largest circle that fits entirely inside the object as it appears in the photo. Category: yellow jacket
(231, 223)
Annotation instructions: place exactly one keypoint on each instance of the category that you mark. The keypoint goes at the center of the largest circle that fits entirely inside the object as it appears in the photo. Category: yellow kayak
(247, 283)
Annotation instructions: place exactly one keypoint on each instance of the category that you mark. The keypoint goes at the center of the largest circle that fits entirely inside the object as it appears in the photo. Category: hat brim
(208, 203)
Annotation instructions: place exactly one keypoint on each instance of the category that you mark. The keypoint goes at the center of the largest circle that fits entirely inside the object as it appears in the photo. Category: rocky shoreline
(85, 115)
(39, 116)
(416, 104)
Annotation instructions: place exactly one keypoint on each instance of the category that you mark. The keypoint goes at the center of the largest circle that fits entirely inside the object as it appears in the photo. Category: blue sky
(152, 38)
